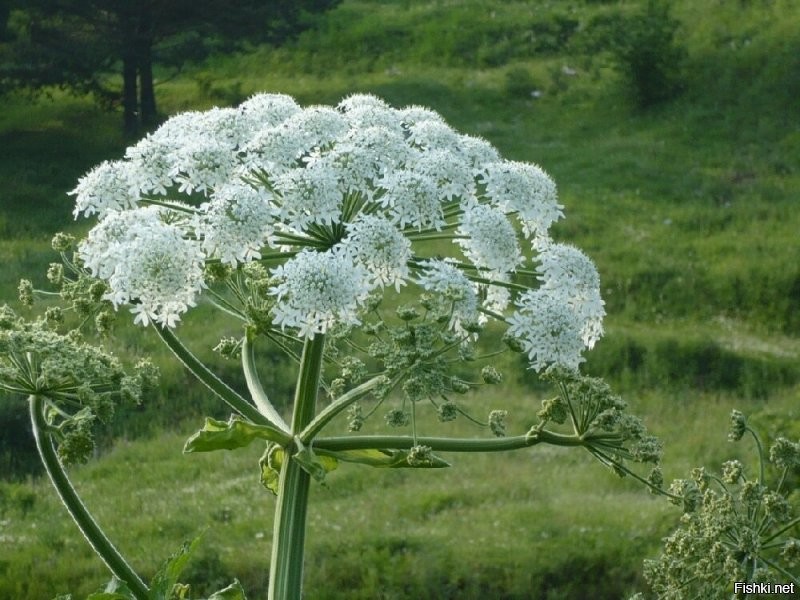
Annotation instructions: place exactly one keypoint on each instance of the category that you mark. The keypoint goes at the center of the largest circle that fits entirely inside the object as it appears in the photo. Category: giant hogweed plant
(393, 258)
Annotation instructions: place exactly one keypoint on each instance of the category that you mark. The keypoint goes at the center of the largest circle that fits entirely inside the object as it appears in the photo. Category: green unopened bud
(776, 507)
(459, 386)
(738, 426)
(497, 422)
(448, 411)
(791, 551)
(55, 273)
(732, 472)
(656, 479)
(54, 316)
(397, 418)
(420, 456)
(514, 344)
(335, 388)
(25, 290)
(62, 242)
(784, 454)
(553, 409)
(97, 290)
(229, 347)
(491, 375)
(355, 418)
(408, 313)
(103, 322)
(217, 271)
(7, 317)
(472, 327)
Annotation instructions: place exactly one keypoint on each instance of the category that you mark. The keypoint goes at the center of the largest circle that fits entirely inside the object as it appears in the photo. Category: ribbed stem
(80, 514)
(288, 540)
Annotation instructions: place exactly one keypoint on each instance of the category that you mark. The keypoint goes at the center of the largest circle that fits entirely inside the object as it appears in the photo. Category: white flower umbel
(147, 263)
(339, 202)
(526, 190)
(490, 240)
(569, 272)
(546, 326)
(109, 186)
(237, 223)
(317, 290)
(376, 244)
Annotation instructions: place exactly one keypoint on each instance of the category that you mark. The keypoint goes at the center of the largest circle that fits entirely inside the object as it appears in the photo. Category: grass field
(689, 209)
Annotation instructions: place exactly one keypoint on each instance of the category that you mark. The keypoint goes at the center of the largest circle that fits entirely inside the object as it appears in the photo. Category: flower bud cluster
(734, 529)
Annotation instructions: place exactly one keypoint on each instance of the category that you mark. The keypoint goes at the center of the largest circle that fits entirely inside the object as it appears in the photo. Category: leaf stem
(76, 508)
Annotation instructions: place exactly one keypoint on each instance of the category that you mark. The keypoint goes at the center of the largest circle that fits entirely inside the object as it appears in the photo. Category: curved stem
(254, 384)
(214, 383)
(288, 540)
(77, 510)
(334, 408)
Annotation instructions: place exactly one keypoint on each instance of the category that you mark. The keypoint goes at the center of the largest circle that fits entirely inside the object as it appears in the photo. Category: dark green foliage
(645, 51)
(77, 45)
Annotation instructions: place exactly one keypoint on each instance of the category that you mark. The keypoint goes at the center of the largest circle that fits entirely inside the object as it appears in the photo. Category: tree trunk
(129, 95)
(144, 51)
(147, 96)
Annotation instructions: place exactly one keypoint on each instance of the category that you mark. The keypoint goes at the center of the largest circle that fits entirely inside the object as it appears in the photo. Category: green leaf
(315, 465)
(233, 592)
(114, 590)
(387, 459)
(229, 435)
(167, 576)
(270, 463)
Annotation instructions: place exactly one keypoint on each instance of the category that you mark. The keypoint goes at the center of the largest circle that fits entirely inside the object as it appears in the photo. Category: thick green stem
(442, 444)
(288, 540)
(83, 519)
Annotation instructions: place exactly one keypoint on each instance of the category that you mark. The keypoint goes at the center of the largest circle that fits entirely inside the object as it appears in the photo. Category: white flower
(109, 186)
(267, 110)
(152, 162)
(447, 281)
(411, 115)
(547, 327)
(432, 134)
(319, 125)
(225, 125)
(310, 195)
(146, 262)
(524, 189)
(376, 244)
(317, 290)
(236, 223)
(569, 272)
(448, 169)
(365, 154)
(413, 199)
(203, 165)
(477, 152)
(491, 241)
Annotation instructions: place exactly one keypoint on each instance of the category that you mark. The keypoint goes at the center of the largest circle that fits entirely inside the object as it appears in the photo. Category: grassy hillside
(688, 207)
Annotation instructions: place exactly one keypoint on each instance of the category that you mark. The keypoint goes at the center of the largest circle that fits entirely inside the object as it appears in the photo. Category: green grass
(688, 209)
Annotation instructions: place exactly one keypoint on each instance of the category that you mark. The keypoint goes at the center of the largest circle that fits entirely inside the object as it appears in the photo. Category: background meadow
(684, 190)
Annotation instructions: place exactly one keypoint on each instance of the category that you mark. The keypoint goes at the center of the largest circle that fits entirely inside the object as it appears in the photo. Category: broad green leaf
(114, 590)
(390, 459)
(229, 435)
(233, 592)
(167, 576)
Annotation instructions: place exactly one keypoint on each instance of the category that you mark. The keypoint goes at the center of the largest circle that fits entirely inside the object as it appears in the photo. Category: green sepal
(166, 577)
(270, 463)
(386, 459)
(233, 592)
(229, 435)
(315, 465)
